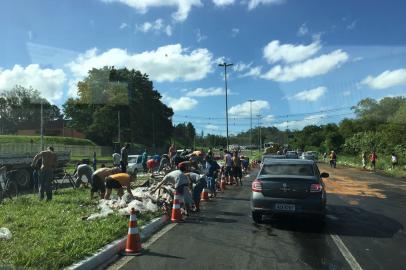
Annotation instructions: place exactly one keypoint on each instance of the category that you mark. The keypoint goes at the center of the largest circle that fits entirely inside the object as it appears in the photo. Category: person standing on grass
(394, 160)
(46, 175)
(98, 179)
(124, 158)
(373, 158)
(35, 174)
(364, 159)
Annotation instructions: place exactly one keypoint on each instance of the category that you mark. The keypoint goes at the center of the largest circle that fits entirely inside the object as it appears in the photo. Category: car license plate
(285, 207)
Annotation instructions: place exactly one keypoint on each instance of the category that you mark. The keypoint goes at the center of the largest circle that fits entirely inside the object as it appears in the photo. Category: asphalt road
(364, 230)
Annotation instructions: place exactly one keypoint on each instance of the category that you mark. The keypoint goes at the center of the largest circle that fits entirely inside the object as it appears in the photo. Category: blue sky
(303, 62)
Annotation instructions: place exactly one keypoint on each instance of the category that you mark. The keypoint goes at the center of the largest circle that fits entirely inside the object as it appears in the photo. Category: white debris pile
(5, 234)
(143, 201)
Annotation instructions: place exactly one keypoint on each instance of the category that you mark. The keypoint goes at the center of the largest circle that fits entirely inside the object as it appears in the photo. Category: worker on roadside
(46, 175)
(198, 183)
(172, 153)
(98, 180)
(124, 158)
(116, 159)
(164, 162)
(364, 159)
(228, 165)
(394, 160)
(236, 168)
(83, 170)
(373, 158)
(144, 160)
(212, 168)
(119, 181)
(181, 183)
(333, 159)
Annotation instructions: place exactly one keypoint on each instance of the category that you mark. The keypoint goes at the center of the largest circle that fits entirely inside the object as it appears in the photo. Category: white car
(134, 164)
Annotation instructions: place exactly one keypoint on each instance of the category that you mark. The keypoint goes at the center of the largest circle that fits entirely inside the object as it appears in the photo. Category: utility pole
(259, 137)
(225, 65)
(250, 101)
(119, 129)
(42, 125)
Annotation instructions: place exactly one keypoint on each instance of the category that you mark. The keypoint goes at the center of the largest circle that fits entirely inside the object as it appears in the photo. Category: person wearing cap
(181, 183)
(118, 181)
(98, 178)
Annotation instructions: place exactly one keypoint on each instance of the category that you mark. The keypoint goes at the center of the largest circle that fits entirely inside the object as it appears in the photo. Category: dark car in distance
(289, 186)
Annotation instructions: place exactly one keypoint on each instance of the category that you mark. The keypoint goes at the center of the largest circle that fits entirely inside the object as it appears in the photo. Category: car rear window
(288, 169)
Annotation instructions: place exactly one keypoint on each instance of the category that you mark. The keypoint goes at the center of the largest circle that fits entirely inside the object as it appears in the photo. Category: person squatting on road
(46, 175)
(124, 158)
(212, 167)
(83, 170)
(236, 169)
(164, 162)
(119, 181)
(198, 184)
(181, 183)
(98, 180)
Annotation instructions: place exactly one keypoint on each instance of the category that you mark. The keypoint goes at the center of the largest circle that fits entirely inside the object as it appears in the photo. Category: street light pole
(250, 101)
(225, 65)
(42, 125)
(259, 137)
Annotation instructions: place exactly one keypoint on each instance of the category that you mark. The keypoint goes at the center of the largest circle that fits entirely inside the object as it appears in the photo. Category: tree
(108, 93)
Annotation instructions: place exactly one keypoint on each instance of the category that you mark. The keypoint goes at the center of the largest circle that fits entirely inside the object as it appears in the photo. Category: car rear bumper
(308, 206)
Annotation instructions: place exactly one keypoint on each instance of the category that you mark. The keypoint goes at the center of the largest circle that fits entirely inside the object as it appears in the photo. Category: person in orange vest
(118, 181)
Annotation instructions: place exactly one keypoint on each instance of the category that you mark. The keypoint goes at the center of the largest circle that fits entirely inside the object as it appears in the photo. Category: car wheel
(257, 217)
(22, 178)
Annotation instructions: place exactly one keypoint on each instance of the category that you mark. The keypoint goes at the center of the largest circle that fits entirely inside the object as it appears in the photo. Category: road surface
(364, 230)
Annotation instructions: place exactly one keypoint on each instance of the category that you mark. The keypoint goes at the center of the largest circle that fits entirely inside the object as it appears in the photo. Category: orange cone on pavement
(205, 195)
(133, 245)
(176, 212)
(223, 184)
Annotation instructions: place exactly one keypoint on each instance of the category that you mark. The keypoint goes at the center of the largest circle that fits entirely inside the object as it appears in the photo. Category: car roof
(133, 156)
(288, 161)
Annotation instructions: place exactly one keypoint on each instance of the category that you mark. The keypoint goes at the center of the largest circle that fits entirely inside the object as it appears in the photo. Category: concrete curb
(110, 252)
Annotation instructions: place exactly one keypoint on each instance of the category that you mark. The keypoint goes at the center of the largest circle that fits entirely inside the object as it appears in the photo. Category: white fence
(75, 150)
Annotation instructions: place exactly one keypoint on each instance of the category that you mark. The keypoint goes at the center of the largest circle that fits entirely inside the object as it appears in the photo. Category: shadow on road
(157, 254)
(348, 220)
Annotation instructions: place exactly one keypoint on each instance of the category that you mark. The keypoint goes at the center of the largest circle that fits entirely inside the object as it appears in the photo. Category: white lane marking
(124, 260)
(346, 253)
(332, 217)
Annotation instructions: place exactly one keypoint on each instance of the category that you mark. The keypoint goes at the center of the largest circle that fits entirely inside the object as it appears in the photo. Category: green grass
(47, 139)
(52, 235)
(383, 164)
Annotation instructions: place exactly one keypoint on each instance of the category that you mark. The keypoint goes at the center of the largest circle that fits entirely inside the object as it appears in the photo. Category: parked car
(134, 164)
(289, 186)
(308, 156)
(292, 155)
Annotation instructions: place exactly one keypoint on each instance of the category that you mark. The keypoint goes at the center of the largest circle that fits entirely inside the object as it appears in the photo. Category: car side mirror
(324, 175)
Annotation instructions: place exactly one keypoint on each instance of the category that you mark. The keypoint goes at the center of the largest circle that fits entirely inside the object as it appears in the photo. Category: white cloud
(235, 32)
(123, 26)
(211, 127)
(29, 35)
(207, 92)
(255, 3)
(303, 30)
(157, 26)
(223, 2)
(386, 79)
(142, 6)
(180, 104)
(268, 119)
(199, 36)
(243, 109)
(312, 67)
(300, 124)
(253, 72)
(347, 93)
(240, 66)
(310, 95)
(166, 63)
(49, 82)
(352, 25)
(289, 53)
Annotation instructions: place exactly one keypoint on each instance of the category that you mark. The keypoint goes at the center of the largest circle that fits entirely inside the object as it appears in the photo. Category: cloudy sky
(301, 61)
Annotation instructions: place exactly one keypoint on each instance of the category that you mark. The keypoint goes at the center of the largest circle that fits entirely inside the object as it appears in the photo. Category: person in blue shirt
(212, 167)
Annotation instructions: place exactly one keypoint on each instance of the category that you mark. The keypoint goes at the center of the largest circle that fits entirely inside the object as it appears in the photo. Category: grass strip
(48, 140)
(52, 235)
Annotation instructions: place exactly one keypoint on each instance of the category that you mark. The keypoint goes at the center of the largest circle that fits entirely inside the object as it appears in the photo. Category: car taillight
(256, 186)
(316, 188)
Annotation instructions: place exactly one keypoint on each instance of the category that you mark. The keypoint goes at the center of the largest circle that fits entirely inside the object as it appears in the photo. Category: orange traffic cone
(176, 213)
(205, 195)
(223, 184)
(133, 246)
